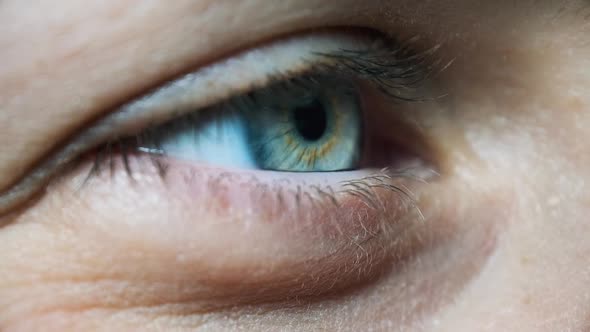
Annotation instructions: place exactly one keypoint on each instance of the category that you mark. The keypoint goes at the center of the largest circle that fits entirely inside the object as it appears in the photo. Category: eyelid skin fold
(245, 72)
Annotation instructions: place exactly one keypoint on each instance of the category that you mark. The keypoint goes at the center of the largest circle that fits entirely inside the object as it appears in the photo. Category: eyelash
(394, 69)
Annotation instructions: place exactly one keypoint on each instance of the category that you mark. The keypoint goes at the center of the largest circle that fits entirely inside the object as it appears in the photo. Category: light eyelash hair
(392, 67)
(297, 199)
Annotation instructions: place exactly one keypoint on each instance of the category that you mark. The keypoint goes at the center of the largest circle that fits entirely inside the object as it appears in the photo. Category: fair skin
(502, 245)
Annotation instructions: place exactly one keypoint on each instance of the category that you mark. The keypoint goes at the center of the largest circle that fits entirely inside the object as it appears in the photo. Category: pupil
(311, 120)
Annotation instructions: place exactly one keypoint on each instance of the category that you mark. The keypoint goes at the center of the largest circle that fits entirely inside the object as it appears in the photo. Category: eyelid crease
(392, 67)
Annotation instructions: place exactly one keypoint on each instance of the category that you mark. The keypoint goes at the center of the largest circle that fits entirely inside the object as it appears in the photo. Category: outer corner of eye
(292, 105)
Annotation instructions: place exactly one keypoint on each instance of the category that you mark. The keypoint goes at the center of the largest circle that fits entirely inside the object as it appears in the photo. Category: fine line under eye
(391, 67)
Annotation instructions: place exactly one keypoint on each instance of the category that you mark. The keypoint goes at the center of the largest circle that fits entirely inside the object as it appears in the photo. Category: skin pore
(502, 244)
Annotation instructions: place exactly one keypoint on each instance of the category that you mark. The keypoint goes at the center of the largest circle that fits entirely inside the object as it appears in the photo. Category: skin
(503, 244)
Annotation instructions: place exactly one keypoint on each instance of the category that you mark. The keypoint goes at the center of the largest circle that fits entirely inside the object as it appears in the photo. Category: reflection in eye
(307, 124)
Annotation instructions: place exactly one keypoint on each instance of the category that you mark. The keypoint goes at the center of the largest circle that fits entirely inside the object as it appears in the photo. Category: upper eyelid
(191, 92)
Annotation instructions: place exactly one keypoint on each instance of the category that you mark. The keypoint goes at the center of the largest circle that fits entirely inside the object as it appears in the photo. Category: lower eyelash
(366, 188)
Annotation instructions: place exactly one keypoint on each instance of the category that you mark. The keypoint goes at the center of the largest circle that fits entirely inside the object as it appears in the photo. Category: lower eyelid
(294, 216)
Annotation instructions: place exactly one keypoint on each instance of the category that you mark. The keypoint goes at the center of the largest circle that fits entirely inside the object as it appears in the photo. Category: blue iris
(313, 126)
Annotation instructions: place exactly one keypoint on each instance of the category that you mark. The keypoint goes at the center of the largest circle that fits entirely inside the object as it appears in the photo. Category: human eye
(310, 122)
(321, 103)
(307, 124)
(293, 165)
(313, 119)
(290, 171)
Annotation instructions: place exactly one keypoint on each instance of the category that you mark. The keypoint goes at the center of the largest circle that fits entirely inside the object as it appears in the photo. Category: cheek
(526, 131)
(121, 246)
(223, 247)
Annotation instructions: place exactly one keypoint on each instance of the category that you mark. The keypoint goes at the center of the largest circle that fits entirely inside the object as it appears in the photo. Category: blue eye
(307, 129)
(304, 113)
(310, 124)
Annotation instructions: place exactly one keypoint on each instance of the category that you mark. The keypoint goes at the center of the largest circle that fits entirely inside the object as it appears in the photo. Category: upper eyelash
(407, 72)
(397, 72)
(394, 68)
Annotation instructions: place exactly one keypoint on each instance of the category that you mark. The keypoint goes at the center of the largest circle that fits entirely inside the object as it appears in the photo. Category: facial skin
(502, 245)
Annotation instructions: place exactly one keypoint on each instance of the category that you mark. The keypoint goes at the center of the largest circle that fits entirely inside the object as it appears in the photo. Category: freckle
(527, 300)
(575, 104)
(224, 203)
(524, 260)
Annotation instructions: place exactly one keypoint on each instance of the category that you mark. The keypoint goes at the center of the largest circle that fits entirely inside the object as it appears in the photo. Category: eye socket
(303, 154)
(391, 68)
